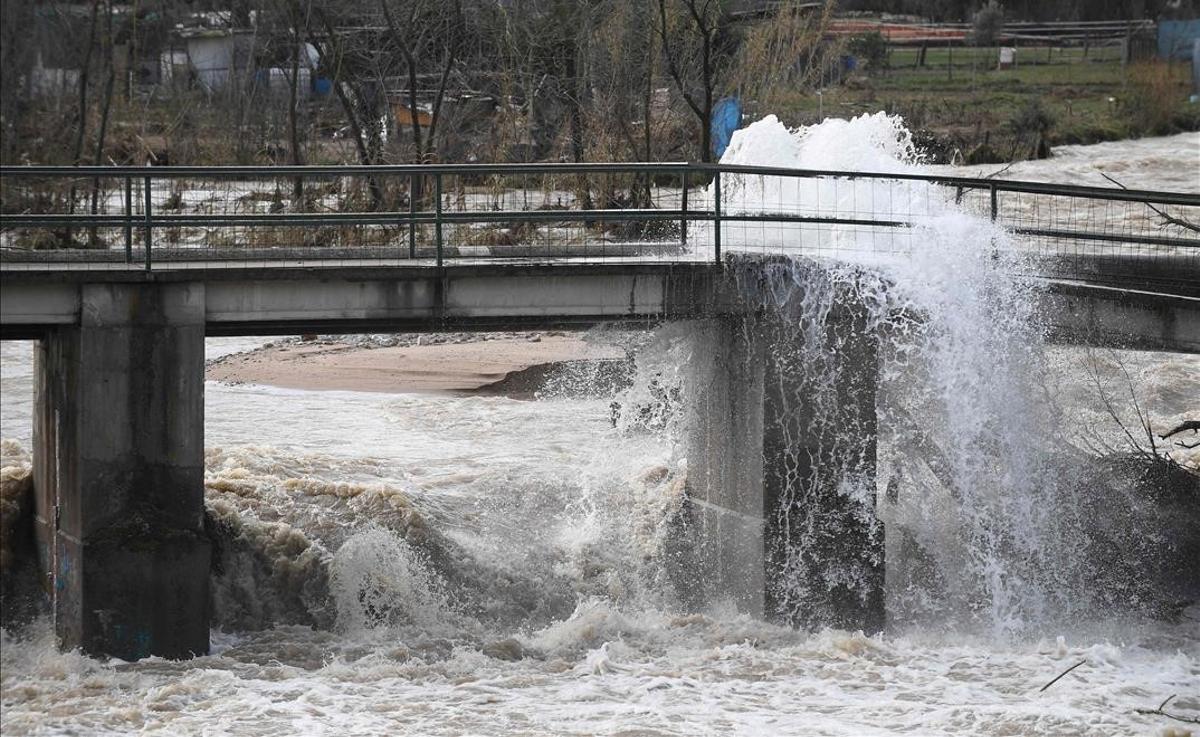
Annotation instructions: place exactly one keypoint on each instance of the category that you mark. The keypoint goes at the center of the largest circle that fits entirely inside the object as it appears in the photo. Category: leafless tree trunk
(424, 24)
(293, 127)
(700, 27)
(332, 56)
(81, 114)
(106, 107)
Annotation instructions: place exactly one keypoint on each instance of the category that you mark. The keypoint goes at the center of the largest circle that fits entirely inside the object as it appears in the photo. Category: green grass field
(964, 106)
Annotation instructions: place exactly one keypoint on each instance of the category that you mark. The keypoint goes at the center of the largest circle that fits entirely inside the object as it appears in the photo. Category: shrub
(1030, 126)
(1150, 101)
(989, 22)
(870, 47)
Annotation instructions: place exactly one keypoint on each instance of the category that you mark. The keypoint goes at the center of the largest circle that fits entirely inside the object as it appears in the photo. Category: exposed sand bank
(447, 367)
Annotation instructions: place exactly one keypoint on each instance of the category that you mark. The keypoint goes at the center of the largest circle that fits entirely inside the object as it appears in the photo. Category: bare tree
(624, 60)
(709, 50)
(429, 40)
(17, 54)
(696, 43)
(784, 54)
(83, 106)
(289, 33)
(350, 59)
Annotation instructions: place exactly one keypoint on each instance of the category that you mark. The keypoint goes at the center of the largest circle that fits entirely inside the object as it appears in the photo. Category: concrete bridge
(118, 436)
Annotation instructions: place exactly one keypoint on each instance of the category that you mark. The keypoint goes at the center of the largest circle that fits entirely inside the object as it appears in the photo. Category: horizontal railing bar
(350, 218)
(1001, 185)
(70, 221)
(176, 172)
(539, 216)
(768, 217)
(519, 216)
(1081, 235)
(398, 218)
(214, 221)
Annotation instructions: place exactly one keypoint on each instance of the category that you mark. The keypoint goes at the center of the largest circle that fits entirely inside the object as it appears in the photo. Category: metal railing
(140, 217)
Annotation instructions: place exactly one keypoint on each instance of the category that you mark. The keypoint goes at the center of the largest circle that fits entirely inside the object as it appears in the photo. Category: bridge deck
(374, 295)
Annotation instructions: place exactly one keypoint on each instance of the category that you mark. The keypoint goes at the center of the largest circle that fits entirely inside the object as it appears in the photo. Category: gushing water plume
(965, 432)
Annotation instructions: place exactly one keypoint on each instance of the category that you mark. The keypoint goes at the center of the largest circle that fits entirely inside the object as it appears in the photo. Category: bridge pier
(725, 489)
(824, 542)
(781, 465)
(119, 472)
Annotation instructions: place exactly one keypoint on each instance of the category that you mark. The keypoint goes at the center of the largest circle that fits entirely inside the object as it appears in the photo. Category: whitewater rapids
(508, 551)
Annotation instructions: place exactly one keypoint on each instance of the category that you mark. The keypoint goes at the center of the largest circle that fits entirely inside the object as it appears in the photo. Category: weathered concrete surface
(119, 472)
(824, 554)
(1089, 314)
(781, 465)
(40, 303)
(725, 463)
(280, 300)
(289, 299)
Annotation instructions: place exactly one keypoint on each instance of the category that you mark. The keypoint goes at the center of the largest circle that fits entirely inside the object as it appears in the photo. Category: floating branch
(1060, 675)
(1159, 712)
(1193, 425)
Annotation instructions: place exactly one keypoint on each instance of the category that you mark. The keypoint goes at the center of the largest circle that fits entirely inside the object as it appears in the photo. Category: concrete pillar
(725, 464)
(824, 555)
(119, 472)
(781, 464)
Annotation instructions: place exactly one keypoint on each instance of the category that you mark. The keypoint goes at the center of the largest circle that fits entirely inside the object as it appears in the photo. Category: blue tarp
(726, 118)
(1176, 38)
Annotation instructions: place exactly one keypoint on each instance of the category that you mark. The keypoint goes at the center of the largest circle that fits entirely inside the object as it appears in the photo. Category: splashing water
(965, 426)
(448, 565)
(378, 579)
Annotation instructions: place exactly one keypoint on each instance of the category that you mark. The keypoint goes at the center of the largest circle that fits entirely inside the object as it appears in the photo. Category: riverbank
(964, 109)
(440, 363)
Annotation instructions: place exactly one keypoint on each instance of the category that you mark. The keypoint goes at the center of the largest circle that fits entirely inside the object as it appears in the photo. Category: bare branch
(1060, 675)
(1102, 392)
(1193, 425)
(1167, 219)
(1159, 712)
(672, 64)
(998, 172)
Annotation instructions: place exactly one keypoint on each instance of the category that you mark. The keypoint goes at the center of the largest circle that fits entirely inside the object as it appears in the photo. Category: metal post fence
(437, 222)
(522, 213)
(717, 216)
(149, 222)
(412, 213)
(129, 220)
(683, 207)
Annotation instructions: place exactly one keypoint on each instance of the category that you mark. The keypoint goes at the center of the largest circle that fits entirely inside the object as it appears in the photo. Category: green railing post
(995, 203)
(437, 215)
(683, 221)
(129, 220)
(149, 227)
(412, 211)
(717, 216)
